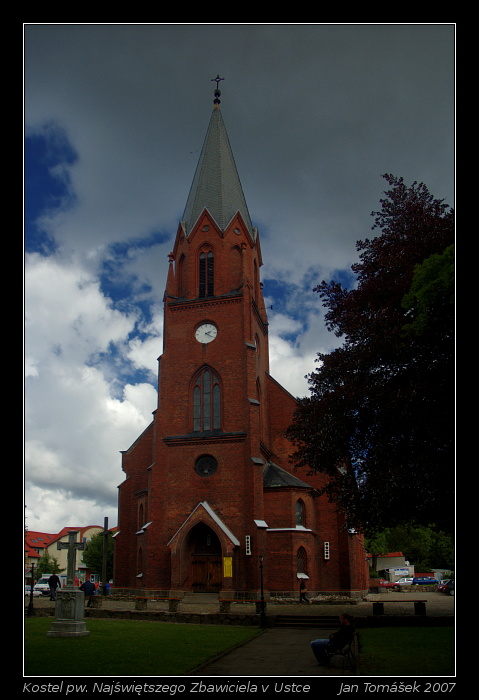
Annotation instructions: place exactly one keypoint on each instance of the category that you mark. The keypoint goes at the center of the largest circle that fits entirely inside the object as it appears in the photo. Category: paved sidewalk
(276, 652)
(287, 652)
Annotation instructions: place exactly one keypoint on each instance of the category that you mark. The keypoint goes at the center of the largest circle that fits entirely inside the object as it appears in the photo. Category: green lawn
(141, 648)
(413, 651)
(126, 647)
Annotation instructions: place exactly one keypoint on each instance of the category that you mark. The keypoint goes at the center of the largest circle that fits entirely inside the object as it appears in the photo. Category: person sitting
(322, 647)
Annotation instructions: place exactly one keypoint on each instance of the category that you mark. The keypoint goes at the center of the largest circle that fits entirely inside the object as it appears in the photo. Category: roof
(40, 540)
(216, 185)
(275, 477)
(215, 517)
(37, 540)
(65, 530)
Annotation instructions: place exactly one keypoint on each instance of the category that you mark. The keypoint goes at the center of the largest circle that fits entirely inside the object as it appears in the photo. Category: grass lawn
(414, 651)
(127, 647)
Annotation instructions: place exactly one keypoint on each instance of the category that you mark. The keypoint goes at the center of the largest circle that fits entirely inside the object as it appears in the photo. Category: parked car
(449, 588)
(444, 583)
(386, 584)
(395, 584)
(36, 594)
(424, 580)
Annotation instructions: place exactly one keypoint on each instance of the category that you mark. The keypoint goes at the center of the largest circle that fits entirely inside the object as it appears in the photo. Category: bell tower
(209, 488)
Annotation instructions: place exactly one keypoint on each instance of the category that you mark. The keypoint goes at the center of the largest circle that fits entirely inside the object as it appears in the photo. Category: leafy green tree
(430, 300)
(376, 545)
(47, 564)
(426, 547)
(93, 554)
(379, 421)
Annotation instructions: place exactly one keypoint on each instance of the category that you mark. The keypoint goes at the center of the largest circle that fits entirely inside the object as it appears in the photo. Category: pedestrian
(88, 589)
(54, 583)
(302, 592)
(336, 641)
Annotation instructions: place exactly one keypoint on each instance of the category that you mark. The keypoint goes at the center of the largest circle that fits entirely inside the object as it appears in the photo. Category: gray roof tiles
(216, 184)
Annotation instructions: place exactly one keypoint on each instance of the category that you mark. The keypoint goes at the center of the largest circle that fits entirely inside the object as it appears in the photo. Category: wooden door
(206, 575)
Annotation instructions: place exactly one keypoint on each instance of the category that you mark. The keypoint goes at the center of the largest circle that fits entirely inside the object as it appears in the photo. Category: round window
(206, 465)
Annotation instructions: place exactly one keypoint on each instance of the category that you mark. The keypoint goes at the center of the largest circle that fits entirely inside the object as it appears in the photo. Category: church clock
(206, 333)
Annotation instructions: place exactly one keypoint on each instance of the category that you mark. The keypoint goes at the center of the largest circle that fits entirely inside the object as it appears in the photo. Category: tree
(425, 547)
(47, 564)
(93, 554)
(379, 421)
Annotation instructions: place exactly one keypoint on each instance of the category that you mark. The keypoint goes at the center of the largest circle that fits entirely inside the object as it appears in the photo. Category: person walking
(302, 592)
(54, 583)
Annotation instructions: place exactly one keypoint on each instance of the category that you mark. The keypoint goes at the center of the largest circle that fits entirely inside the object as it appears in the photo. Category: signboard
(228, 567)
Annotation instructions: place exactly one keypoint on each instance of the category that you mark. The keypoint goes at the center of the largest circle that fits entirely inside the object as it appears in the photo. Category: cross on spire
(72, 545)
(216, 80)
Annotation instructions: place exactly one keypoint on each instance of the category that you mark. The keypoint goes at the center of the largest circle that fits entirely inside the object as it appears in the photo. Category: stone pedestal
(69, 614)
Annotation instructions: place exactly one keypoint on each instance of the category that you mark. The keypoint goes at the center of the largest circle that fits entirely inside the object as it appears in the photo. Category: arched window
(301, 561)
(299, 513)
(206, 402)
(207, 267)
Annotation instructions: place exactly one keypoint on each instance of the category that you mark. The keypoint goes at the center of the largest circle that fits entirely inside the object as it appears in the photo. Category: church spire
(216, 184)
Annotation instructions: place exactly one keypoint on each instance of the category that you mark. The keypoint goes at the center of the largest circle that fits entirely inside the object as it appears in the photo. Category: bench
(419, 606)
(225, 604)
(347, 652)
(141, 603)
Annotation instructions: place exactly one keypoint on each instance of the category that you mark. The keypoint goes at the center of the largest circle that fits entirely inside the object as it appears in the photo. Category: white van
(42, 584)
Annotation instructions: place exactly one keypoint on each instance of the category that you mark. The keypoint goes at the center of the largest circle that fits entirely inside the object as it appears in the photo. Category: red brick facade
(205, 493)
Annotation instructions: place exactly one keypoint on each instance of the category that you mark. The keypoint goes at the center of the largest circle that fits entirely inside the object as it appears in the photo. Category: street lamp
(30, 604)
(262, 616)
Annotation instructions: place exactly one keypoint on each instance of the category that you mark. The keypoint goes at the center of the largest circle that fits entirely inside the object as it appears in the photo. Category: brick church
(210, 501)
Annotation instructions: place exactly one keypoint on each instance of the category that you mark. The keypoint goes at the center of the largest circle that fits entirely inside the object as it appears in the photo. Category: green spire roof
(216, 185)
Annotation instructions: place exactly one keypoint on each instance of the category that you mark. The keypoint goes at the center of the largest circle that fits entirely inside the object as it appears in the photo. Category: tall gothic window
(299, 512)
(207, 265)
(301, 561)
(206, 402)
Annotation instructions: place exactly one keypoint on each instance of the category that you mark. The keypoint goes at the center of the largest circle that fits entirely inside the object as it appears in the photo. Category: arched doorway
(205, 556)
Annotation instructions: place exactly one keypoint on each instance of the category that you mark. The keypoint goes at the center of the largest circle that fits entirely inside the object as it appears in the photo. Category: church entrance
(206, 560)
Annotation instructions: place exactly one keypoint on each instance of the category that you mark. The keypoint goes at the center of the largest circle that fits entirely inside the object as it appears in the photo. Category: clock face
(206, 333)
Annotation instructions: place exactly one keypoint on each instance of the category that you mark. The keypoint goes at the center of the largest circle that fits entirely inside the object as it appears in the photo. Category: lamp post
(262, 616)
(105, 554)
(30, 604)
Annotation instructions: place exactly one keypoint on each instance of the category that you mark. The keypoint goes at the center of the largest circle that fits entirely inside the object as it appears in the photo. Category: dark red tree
(383, 403)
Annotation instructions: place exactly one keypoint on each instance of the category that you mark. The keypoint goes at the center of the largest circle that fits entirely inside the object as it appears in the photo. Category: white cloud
(75, 426)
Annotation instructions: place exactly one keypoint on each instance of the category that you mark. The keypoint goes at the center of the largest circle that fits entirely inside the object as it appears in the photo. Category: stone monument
(70, 601)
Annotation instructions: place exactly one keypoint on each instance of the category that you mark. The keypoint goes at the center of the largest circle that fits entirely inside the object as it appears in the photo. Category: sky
(115, 116)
